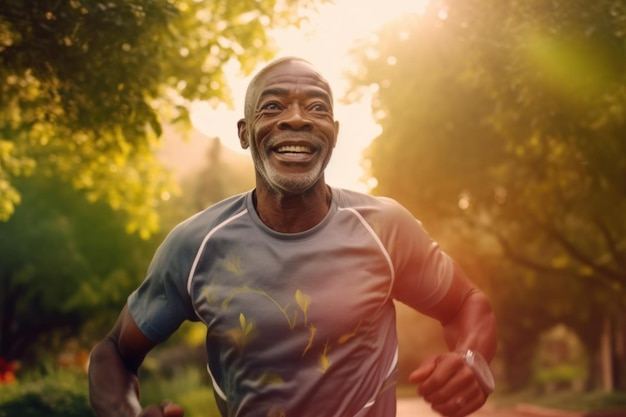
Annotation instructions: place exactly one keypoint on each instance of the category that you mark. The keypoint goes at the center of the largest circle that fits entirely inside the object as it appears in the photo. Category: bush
(190, 388)
(64, 393)
(59, 394)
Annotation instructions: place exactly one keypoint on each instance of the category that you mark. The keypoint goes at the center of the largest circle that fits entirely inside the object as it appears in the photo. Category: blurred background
(500, 125)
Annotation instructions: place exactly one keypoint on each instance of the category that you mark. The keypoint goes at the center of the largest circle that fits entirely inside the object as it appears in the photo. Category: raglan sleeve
(161, 303)
(423, 271)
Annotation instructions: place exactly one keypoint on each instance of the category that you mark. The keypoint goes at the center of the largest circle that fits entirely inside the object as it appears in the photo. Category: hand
(449, 385)
(165, 409)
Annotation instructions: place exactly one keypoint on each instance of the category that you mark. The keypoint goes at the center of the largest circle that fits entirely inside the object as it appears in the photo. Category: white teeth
(294, 149)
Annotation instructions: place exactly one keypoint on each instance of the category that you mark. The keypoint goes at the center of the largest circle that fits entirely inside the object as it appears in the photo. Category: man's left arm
(458, 382)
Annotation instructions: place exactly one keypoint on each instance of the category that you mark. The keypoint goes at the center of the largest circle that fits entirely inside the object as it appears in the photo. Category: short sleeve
(423, 272)
(161, 303)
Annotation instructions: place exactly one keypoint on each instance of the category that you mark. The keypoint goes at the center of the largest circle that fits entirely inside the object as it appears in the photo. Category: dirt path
(415, 407)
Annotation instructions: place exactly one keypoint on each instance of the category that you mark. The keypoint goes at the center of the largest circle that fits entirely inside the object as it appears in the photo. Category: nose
(295, 118)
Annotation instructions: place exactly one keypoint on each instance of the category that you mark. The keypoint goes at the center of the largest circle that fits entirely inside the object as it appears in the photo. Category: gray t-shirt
(299, 325)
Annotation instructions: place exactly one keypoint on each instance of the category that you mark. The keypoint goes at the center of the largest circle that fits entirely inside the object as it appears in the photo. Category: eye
(271, 106)
(319, 107)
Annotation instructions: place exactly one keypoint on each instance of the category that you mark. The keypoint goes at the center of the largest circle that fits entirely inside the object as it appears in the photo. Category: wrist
(481, 369)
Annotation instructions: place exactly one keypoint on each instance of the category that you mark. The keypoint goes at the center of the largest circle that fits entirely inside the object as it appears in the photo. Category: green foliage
(225, 174)
(65, 262)
(86, 83)
(189, 388)
(76, 262)
(59, 394)
(560, 361)
(503, 127)
(565, 373)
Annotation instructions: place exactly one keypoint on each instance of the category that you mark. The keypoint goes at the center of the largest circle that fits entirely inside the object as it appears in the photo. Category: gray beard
(289, 183)
(280, 183)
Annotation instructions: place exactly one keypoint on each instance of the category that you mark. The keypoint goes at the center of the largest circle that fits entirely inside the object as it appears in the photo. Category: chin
(298, 184)
(292, 183)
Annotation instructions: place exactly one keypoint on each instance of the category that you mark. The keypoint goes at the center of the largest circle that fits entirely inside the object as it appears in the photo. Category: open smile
(295, 153)
(295, 149)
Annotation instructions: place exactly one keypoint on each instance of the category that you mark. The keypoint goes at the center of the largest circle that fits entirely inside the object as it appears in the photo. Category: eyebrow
(278, 91)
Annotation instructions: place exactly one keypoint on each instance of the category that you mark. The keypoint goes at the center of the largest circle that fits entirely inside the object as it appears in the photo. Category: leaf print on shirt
(270, 379)
(344, 338)
(210, 294)
(309, 345)
(243, 335)
(233, 264)
(291, 317)
(276, 412)
(304, 301)
(324, 361)
(291, 322)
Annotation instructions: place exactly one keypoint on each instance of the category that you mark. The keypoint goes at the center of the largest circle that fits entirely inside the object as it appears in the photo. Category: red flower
(7, 371)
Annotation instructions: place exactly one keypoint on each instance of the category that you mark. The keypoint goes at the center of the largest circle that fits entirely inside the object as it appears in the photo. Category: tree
(65, 262)
(86, 85)
(226, 173)
(68, 265)
(508, 117)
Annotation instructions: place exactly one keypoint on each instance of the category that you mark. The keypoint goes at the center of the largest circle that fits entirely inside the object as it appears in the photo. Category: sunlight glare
(325, 41)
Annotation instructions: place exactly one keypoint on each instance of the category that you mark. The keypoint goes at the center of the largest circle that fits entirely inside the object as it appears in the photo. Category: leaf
(303, 300)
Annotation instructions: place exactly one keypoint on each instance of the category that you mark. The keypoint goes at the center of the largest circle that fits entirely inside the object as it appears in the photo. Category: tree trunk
(613, 353)
(606, 357)
(619, 351)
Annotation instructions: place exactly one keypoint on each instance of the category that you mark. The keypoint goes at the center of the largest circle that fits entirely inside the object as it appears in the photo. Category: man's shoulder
(384, 212)
(347, 198)
(201, 223)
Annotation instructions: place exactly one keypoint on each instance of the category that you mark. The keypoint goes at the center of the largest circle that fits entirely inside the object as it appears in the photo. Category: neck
(293, 213)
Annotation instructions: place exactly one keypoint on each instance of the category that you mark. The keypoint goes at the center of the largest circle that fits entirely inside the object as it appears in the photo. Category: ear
(336, 132)
(242, 132)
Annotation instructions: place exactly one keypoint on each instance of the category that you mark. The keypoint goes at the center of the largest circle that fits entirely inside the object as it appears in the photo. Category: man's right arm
(113, 382)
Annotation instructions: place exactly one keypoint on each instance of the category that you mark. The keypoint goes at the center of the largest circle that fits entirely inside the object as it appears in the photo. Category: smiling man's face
(290, 127)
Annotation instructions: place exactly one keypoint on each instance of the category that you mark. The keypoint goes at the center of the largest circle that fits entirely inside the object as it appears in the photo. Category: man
(295, 282)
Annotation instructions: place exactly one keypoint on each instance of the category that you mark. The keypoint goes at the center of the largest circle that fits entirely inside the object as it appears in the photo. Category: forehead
(290, 77)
